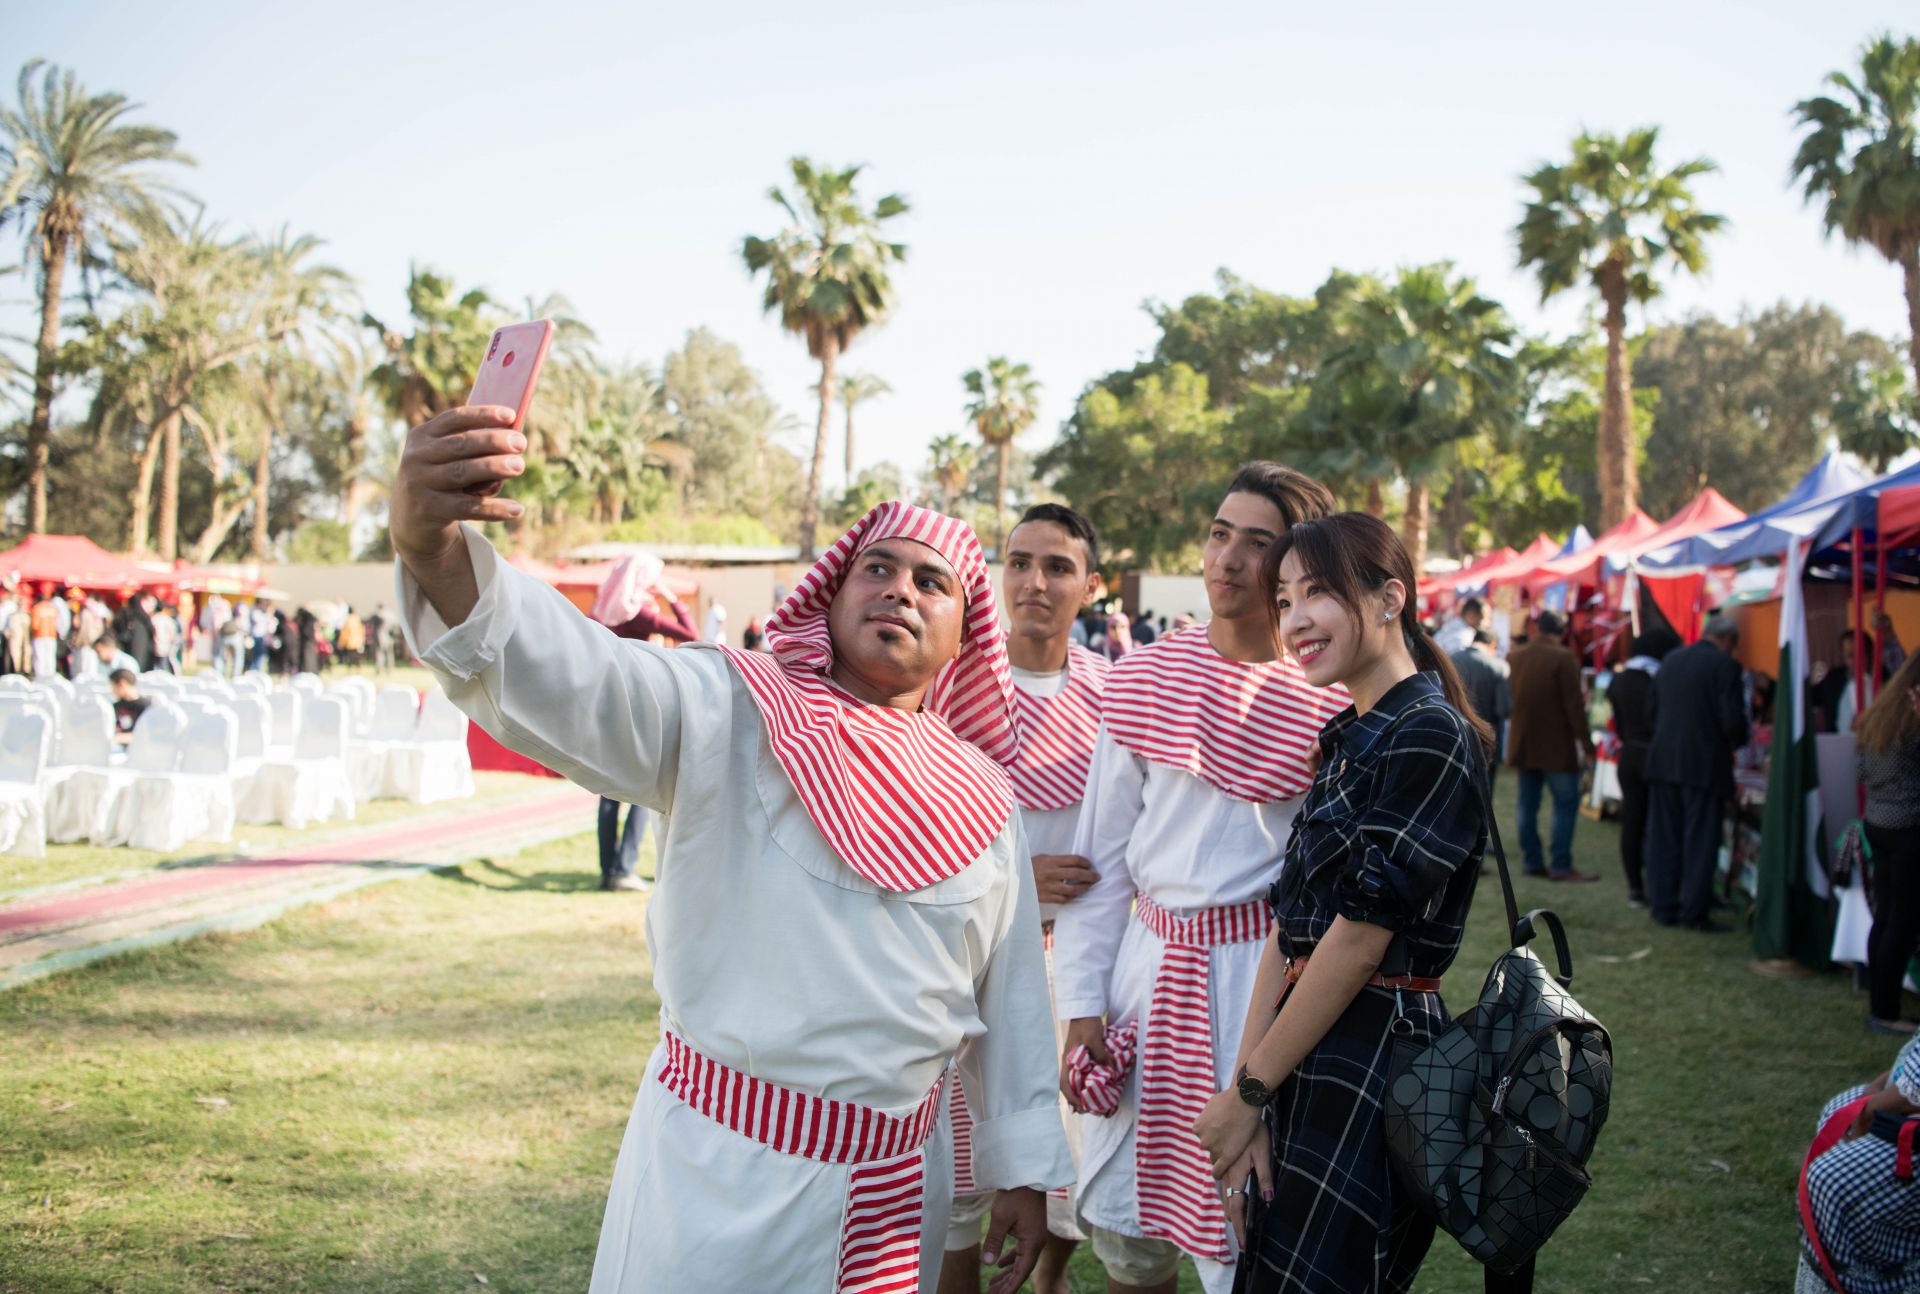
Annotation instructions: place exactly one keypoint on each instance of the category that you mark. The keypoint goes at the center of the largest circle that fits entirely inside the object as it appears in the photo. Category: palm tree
(1612, 217)
(1863, 160)
(827, 278)
(1003, 406)
(1429, 362)
(431, 369)
(72, 170)
(951, 463)
(196, 317)
(856, 389)
(298, 296)
(1875, 420)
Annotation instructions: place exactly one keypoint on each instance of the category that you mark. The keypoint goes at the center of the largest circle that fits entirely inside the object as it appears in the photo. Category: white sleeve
(1011, 1072)
(1087, 931)
(544, 680)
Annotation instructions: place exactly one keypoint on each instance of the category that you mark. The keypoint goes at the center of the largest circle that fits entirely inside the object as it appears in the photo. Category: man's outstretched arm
(515, 655)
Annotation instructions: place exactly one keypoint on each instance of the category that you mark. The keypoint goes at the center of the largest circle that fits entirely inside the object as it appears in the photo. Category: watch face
(1253, 1091)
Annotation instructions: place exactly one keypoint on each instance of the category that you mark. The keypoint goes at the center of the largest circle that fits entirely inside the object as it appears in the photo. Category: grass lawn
(425, 1083)
(74, 862)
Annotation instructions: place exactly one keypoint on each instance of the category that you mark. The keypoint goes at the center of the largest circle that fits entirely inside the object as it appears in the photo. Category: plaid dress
(1869, 1219)
(1391, 834)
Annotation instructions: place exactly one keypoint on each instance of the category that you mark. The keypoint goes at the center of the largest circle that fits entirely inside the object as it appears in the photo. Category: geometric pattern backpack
(1490, 1125)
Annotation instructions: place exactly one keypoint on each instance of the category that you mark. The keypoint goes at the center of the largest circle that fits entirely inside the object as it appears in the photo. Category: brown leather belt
(1296, 966)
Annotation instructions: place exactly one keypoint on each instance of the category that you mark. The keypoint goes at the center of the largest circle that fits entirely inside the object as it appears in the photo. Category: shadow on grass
(507, 880)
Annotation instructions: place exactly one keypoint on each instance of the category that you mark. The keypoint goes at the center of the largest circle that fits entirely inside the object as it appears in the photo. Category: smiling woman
(1385, 851)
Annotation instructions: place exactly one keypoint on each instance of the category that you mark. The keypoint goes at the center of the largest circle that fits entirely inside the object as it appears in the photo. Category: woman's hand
(1225, 1128)
(1257, 1160)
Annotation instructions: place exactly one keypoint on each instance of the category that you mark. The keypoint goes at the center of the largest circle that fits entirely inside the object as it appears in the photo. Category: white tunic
(1160, 831)
(770, 954)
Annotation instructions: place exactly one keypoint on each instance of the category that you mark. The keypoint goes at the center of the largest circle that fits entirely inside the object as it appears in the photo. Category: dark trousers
(1565, 788)
(1682, 850)
(1896, 915)
(1633, 824)
(620, 849)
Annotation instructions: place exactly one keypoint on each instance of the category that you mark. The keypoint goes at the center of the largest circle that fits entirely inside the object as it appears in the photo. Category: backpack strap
(1520, 928)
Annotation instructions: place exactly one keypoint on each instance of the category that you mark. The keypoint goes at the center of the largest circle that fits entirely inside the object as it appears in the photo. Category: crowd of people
(258, 635)
(876, 833)
(47, 630)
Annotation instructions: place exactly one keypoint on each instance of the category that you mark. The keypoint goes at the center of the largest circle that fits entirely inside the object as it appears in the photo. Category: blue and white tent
(1798, 517)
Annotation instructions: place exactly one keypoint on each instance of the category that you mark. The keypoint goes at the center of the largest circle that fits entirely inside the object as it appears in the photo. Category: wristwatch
(1253, 1091)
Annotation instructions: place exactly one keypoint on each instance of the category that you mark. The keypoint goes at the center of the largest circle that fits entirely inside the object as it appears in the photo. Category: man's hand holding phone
(455, 463)
(445, 459)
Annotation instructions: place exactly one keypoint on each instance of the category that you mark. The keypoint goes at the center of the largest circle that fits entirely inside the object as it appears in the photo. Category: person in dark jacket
(1487, 680)
(1631, 695)
(133, 628)
(1547, 740)
(1700, 719)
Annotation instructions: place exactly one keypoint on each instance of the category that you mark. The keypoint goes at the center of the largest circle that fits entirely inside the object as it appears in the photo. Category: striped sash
(1243, 728)
(1057, 735)
(880, 1229)
(1179, 1200)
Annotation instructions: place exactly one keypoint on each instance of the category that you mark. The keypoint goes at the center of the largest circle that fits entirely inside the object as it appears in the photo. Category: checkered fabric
(1868, 1217)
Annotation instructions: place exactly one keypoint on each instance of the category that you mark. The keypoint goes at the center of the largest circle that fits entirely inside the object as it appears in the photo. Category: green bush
(320, 543)
(695, 528)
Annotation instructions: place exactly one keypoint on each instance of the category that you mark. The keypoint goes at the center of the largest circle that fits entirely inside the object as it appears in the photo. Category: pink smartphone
(509, 373)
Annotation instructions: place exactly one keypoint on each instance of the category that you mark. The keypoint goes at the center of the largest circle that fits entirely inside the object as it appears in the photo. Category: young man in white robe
(1201, 764)
(844, 893)
(1050, 575)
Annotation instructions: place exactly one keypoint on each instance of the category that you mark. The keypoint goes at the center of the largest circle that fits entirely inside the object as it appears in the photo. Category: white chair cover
(15, 683)
(310, 783)
(434, 766)
(396, 713)
(283, 711)
(25, 737)
(79, 804)
(254, 681)
(308, 683)
(165, 810)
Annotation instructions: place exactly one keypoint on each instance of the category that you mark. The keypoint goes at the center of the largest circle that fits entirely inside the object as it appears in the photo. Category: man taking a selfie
(844, 892)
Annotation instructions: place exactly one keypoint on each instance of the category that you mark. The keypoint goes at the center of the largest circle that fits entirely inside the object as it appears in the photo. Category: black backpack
(1490, 1125)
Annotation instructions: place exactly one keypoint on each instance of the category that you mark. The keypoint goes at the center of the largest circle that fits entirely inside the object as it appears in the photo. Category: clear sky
(1065, 162)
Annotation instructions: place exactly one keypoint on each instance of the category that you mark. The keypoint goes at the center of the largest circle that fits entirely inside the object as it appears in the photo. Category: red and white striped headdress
(1057, 735)
(1242, 728)
(905, 799)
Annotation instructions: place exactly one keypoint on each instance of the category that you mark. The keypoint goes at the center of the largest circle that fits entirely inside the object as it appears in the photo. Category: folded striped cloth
(1096, 1087)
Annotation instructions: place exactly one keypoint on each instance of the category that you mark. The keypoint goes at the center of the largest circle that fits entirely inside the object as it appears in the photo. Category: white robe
(1159, 831)
(1049, 831)
(770, 954)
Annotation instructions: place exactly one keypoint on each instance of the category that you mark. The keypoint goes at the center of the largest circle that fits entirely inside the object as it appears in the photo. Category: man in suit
(1631, 695)
(1699, 721)
(1548, 740)
(1486, 678)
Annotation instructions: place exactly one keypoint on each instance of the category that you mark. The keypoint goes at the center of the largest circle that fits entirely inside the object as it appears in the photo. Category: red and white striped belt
(881, 1226)
(1179, 1200)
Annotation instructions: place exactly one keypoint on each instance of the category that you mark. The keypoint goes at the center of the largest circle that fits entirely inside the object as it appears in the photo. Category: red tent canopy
(1709, 510)
(1582, 567)
(1899, 523)
(74, 561)
(1445, 581)
(1542, 548)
